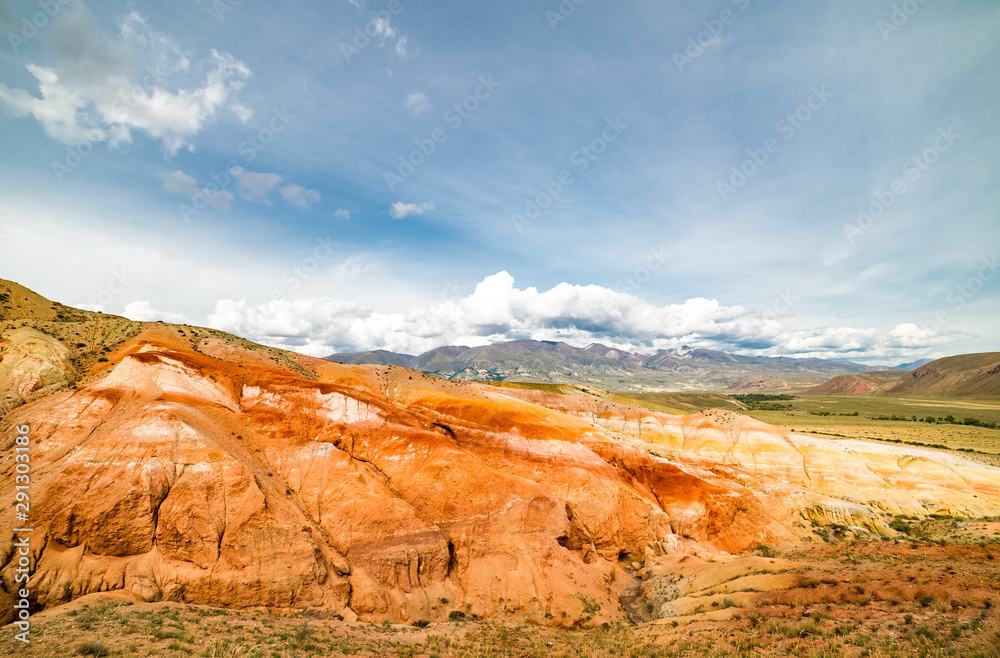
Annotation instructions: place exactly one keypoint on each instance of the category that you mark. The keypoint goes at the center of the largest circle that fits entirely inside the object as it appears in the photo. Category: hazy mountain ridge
(682, 368)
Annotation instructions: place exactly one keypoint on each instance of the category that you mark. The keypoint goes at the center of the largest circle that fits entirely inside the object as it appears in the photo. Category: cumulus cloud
(342, 213)
(402, 210)
(144, 312)
(402, 51)
(181, 183)
(255, 185)
(499, 311)
(384, 30)
(417, 102)
(299, 196)
(102, 88)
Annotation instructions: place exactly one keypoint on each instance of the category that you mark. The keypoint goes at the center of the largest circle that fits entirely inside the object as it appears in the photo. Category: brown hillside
(968, 375)
(864, 384)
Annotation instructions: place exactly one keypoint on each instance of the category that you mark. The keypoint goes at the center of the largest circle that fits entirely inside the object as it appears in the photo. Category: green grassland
(809, 415)
(837, 417)
(857, 417)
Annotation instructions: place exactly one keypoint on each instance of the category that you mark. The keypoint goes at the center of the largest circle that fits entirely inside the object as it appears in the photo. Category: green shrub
(92, 649)
(900, 526)
(765, 550)
(808, 627)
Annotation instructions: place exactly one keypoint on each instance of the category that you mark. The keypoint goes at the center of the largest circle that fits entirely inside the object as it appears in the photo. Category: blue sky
(578, 171)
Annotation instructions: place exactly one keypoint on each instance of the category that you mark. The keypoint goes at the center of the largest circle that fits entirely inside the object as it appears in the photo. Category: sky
(768, 178)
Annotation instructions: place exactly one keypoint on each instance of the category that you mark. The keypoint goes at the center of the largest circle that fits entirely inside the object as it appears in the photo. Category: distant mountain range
(963, 376)
(681, 369)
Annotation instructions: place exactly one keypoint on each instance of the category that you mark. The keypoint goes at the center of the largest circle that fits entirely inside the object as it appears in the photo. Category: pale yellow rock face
(31, 364)
(894, 479)
(218, 477)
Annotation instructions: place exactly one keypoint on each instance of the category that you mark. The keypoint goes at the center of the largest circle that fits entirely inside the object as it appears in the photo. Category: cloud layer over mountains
(498, 311)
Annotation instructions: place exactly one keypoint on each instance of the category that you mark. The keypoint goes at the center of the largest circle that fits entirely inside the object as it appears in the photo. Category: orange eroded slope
(216, 473)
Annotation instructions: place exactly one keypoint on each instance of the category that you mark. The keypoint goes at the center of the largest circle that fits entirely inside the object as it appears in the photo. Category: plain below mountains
(681, 369)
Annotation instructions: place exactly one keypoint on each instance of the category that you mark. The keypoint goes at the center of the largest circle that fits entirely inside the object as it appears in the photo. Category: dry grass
(846, 598)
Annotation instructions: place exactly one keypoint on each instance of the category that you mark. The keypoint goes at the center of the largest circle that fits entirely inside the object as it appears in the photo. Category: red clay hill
(184, 464)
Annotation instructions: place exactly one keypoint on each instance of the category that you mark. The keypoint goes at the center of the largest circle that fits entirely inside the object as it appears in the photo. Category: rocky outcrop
(31, 365)
(215, 475)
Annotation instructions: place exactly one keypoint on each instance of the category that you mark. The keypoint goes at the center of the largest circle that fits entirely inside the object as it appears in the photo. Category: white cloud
(342, 213)
(242, 112)
(299, 196)
(383, 29)
(144, 312)
(255, 185)
(402, 52)
(499, 311)
(878, 270)
(103, 88)
(834, 255)
(181, 183)
(402, 210)
(417, 102)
